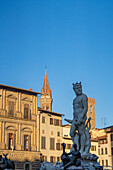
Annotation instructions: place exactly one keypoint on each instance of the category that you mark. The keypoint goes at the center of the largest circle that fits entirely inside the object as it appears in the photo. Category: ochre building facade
(18, 125)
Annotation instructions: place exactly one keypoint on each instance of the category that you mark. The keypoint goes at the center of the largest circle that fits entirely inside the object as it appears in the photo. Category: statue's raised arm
(68, 120)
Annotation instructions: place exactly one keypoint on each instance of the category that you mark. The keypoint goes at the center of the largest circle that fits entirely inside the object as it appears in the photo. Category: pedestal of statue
(73, 168)
(85, 165)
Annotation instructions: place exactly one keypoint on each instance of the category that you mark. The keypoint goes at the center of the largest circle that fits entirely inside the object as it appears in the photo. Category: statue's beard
(79, 92)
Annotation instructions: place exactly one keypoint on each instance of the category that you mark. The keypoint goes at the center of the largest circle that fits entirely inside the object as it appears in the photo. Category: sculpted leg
(82, 142)
(76, 140)
(73, 131)
(82, 137)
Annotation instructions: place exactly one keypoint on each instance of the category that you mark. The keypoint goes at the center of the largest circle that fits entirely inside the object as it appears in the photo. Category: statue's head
(75, 146)
(77, 87)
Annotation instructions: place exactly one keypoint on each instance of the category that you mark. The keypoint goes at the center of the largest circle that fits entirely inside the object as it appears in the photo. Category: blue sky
(73, 38)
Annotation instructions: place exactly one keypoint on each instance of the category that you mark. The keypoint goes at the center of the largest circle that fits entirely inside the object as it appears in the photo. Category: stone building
(101, 144)
(18, 126)
(50, 126)
(103, 138)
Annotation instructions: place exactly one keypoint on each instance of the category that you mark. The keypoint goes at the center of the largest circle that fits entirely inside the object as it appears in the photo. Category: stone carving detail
(6, 163)
(71, 160)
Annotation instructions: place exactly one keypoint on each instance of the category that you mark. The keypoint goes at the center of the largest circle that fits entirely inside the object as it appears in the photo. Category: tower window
(47, 108)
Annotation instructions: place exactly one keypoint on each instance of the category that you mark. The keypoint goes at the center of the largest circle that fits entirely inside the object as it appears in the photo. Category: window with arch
(11, 138)
(27, 111)
(26, 139)
(26, 142)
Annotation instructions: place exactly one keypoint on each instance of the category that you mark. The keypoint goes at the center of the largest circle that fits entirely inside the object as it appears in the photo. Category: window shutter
(7, 144)
(29, 142)
(14, 140)
(23, 142)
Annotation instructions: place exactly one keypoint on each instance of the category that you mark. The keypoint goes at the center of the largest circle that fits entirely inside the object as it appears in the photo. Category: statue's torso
(78, 106)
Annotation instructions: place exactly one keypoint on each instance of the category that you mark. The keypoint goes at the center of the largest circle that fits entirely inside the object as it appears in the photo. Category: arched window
(11, 108)
(26, 111)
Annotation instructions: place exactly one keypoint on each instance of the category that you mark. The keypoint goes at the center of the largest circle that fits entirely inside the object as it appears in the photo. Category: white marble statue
(79, 131)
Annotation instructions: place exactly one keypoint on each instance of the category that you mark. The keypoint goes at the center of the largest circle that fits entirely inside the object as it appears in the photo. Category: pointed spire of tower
(46, 100)
(45, 88)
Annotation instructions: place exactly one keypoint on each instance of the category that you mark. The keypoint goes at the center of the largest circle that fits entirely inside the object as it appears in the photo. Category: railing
(4, 113)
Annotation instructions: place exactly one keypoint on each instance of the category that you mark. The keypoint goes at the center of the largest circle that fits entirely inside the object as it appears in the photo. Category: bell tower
(91, 111)
(46, 99)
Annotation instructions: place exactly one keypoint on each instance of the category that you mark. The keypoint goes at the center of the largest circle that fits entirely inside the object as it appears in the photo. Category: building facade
(50, 135)
(18, 125)
(103, 138)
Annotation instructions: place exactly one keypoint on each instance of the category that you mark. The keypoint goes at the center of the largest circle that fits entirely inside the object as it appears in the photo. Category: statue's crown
(76, 84)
